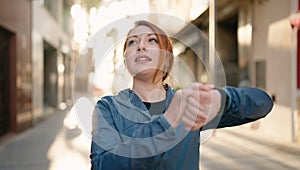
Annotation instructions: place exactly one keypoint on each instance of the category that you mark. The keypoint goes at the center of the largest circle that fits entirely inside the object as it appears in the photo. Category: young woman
(151, 126)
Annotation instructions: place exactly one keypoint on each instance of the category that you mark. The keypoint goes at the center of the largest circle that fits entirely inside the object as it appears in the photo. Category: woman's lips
(143, 59)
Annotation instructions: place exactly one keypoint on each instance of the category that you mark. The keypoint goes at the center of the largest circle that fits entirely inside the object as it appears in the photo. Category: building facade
(16, 66)
(52, 56)
(258, 47)
(35, 61)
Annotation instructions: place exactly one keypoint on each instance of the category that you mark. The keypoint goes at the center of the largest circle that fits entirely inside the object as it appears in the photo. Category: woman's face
(142, 51)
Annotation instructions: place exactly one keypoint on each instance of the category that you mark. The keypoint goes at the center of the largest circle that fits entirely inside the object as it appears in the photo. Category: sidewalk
(55, 144)
(239, 148)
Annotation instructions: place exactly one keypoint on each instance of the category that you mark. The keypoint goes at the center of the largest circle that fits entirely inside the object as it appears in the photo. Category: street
(53, 144)
(58, 144)
(240, 149)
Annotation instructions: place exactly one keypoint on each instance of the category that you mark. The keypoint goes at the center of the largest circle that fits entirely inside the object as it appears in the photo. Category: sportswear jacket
(126, 137)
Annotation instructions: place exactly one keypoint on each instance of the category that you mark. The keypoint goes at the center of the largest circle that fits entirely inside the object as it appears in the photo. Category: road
(57, 143)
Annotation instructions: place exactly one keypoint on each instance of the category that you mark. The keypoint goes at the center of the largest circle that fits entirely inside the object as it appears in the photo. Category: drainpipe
(212, 39)
(293, 84)
(294, 115)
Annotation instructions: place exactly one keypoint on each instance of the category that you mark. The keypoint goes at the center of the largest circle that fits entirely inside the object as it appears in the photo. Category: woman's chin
(148, 72)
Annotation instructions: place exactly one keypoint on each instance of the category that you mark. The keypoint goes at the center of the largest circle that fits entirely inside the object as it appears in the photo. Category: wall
(15, 16)
(272, 38)
(272, 43)
(48, 29)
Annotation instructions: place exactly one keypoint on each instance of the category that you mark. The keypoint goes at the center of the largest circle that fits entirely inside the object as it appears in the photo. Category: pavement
(240, 148)
(57, 143)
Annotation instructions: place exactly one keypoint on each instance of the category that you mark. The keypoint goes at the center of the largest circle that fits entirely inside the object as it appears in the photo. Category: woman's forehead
(141, 29)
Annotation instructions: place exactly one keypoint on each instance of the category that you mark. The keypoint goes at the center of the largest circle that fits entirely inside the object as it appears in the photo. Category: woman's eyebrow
(133, 36)
(136, 35)
(151, 34)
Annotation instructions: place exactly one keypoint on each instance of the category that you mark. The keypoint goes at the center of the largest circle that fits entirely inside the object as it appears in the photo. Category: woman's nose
(142, 46)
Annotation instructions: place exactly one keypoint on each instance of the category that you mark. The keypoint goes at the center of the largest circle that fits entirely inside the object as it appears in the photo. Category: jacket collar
(131, 99)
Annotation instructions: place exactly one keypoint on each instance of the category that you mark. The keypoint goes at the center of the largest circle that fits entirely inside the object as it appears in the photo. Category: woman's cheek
(130, 66)
(130, 51)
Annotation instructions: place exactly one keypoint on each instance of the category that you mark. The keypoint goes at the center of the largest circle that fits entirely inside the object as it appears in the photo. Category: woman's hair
(167, 57)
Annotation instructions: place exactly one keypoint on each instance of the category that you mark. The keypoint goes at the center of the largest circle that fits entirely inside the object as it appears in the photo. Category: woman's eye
(153, 40)
(131, 42)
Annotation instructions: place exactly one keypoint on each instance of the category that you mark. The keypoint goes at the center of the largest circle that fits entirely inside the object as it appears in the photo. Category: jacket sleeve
(112, 149)
(104, 160)
(240, 106)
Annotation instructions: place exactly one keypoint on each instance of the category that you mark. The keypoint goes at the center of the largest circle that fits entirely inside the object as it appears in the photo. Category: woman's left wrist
(223, 98)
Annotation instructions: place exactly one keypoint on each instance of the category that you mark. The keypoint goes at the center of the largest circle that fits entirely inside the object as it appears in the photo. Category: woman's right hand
(186, 108)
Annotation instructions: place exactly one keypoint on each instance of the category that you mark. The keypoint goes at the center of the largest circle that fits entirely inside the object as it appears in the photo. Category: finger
(194, 101)
(200, 86)
(194, 98)
(196, 126)
(195, 114)
(195, 109)
(191, 97)
(185, 93)
(190, 116)
(187, 122)
(196, 117)
(201, 118)
(206, 87)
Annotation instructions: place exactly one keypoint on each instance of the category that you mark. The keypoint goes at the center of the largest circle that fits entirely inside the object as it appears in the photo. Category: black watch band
(224, 100)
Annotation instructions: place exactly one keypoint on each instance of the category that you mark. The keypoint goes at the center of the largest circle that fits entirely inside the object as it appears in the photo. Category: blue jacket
(126, 136)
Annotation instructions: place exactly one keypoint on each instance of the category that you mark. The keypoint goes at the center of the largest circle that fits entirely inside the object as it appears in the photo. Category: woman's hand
(209, 104)
(187, 106)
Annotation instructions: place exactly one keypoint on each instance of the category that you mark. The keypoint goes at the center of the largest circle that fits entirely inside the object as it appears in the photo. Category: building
(16, 66)
(52, 56)
(258, 47)
(36, 57)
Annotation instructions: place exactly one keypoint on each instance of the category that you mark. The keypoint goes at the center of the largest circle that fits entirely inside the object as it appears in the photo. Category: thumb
(205, 87)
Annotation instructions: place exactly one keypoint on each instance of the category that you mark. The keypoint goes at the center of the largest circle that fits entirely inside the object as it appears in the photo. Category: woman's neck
(148, 91)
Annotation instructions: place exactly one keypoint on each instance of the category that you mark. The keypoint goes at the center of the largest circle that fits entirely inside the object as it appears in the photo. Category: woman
(151, 126)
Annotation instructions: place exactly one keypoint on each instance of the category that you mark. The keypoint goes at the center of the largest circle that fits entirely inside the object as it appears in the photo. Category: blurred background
(42, 42)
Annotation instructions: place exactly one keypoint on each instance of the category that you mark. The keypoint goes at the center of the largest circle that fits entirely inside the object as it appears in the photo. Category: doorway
(5, 114)
(50, 77)
(227, 47)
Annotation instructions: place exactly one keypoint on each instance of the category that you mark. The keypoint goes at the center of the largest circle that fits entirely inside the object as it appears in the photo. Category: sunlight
(198, 7)
(92, 30)
(245, 34)
(69, 153)
(80, 25)
(71, 147)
